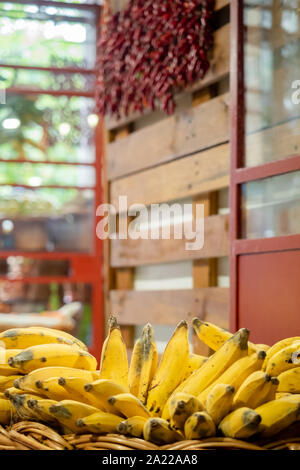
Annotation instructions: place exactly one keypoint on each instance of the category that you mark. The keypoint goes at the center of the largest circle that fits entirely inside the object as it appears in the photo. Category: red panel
(269, 295)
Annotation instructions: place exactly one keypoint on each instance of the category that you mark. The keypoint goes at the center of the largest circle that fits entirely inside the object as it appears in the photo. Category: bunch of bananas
(241, 390)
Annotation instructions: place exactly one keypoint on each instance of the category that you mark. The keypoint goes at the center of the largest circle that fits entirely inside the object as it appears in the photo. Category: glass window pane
(45, 127)
(25, 304)
(46, 219)
(271, 206)
(272, 64)
(47, 36)
(45, 80)
(37, 174)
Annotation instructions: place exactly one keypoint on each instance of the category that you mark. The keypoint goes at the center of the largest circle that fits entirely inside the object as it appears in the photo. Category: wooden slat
(189, 131)
(219, 68)
(139, 252)
(200, 173)
(169, 307)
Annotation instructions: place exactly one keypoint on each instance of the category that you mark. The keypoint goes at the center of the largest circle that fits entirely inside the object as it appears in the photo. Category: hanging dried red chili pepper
(149, 51)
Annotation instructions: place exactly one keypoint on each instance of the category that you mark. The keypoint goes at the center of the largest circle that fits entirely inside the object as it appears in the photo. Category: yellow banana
(278, 414)
(254, 390)
(149, 362)
(285, 359)
(195, 361)
(214, 336)
(20, 403)
(241, 423)
(274, 382)
(181, 406)
(47, 355)
(51, 389)
(289, 381)
(159, 431)
(6, 370)
(41, 408)
(28, 382)
(278, 346)
(99, 422)
(199, 425)
(114, 361)
(219, 402)
(232, 350)
(67, 412)
(74, 386)
(12, 391)
(6, 382)
(236, 373)
(128, 405)
(170, 371)
(132, 426)
(281, 395)
(101, 390)
(22, 338)
(7, 411)
(135, 368)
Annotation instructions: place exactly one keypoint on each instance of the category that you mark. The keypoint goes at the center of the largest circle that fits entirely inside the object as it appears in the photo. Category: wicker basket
(28, 435)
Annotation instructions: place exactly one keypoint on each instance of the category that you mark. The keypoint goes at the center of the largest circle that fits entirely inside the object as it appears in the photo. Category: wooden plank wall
(185, 155)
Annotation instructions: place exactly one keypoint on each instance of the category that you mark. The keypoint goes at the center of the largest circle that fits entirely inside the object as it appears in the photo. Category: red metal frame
(84, 267)
(240, 174)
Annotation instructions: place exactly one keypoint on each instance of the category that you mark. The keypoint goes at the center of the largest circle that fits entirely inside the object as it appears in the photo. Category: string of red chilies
(150, 50)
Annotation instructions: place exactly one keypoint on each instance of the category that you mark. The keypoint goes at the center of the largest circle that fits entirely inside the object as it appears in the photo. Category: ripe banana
(278, 346)
(195, 361)
(199, 425)
(135, 367)
(159, 431)
(47, 355)
(148, 364)
(241, 423)
(214, 336)
(51, 389)
(99, 422)
(132, 426)
(6, 382)
(219, 402)
(254, 390)
(128, 405)
(281, 394)
(236, 373)
(22, 338)
(6, 370)
(101, 390)
(170, 371)
(20, 403)
(114, 361)
(74, 386)
(232, 350)
(7, 411)
(67, 412)
(181, 406)
(12, 391)
(289, 381)
(285, 359)
(28, 382)
(41, 408)
(278, 414)
(274, 382)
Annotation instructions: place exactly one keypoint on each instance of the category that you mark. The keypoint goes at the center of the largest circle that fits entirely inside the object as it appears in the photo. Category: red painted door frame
(239, 174)
(84, 268)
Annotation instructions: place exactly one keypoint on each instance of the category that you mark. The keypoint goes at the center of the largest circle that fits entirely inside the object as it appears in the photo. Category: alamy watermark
(296, 93)
(154, 222)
